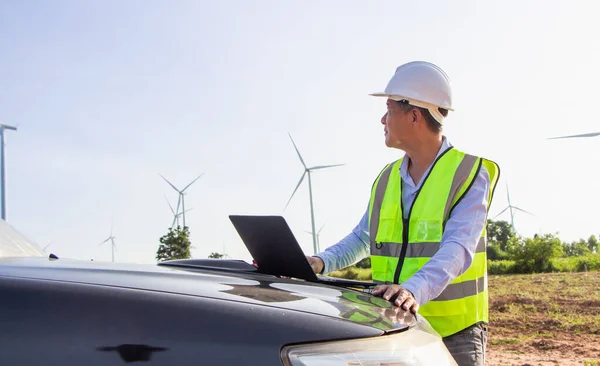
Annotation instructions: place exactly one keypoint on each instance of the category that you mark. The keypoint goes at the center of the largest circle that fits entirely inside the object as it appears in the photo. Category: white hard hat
(421, 84)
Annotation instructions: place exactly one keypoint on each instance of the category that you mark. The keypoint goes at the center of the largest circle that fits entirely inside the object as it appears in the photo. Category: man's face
(397, 125)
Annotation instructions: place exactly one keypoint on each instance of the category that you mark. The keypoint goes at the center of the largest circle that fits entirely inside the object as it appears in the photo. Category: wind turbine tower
(176, 215)
(181, 196)
(2, 168)
(510, 207)
(113, 246)
(318, 238)
(308, 171)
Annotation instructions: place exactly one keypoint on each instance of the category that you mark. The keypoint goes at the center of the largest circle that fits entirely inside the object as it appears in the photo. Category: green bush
(495, 253)
(350, 273)
(353, 273)
(568, 264)
(533, 255)
(590, 262)
(501, 267)
(364, 263)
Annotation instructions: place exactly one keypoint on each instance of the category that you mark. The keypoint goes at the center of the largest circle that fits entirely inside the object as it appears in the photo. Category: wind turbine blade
(298, 151)
(508, 194)
(519, 209)
(501, 212)
(324, 166)
(308, 232)
(104, 241)
(181, 213)
(171, 184)
(171, 207)
(319, 232)
(178, 203)
(591, 134)
(186, 187)
(299, 182)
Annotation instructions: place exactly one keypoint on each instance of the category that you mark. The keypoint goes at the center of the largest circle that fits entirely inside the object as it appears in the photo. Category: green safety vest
(400, 247)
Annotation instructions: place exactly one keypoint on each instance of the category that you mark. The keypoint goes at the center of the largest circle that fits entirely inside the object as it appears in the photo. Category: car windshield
(15, 244)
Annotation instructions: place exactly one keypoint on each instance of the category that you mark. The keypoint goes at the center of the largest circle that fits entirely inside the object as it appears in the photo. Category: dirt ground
(544, 319)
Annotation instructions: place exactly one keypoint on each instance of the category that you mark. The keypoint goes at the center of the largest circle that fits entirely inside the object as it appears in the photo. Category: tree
(175, 245)
(215, 255)
(592, 243)
(499, 233)
(534, 254)
(580, 247)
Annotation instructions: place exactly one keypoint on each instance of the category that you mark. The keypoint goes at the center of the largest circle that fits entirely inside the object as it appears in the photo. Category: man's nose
(383, 118)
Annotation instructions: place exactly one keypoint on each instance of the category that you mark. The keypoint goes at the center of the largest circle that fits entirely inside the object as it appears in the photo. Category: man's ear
(415, 115)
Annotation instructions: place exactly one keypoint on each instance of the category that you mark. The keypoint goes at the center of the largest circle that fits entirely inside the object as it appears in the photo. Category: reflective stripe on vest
(400, 247)
(415, 250)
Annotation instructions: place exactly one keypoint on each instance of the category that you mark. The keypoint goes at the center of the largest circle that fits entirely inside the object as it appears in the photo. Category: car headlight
(412, 347)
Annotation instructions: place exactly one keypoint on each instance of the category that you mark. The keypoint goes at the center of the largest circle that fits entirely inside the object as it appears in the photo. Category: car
(59, 311)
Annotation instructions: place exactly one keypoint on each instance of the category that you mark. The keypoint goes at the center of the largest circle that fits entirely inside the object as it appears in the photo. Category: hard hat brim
(399, 98)
(379, 95)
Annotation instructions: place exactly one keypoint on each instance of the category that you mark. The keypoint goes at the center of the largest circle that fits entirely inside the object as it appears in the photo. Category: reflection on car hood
(252, 288)
(15, 244)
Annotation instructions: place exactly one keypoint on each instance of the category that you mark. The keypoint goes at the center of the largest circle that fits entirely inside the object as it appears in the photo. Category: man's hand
(316, 263)
(404, 298)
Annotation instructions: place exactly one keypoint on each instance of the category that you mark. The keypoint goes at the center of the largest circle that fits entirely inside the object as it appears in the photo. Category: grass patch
(353, 273)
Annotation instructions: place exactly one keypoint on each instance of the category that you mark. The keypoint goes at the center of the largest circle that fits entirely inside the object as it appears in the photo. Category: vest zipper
(403, 251)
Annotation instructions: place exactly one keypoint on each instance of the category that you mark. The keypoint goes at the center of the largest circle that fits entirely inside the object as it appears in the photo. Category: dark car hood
(252, 288)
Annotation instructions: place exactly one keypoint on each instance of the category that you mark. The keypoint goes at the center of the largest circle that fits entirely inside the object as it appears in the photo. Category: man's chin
(386, 140)
(392, 144)
(389, 142)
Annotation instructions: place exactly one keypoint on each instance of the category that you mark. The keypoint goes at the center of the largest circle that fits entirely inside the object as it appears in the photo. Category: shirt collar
(404, 166)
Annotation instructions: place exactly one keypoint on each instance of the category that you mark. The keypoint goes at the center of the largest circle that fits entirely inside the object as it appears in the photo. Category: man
(425, 224)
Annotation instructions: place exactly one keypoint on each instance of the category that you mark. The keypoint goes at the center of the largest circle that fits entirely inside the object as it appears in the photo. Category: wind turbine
(182, 195)
(111, 238)
(2, 174)
(308, 171)
(510, 207)
(176, 215)
(591, 134)
(318, 236)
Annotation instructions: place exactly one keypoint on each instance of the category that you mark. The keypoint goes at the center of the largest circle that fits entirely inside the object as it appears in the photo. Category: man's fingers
(401, 299)
(315, 263)
(391, 292)
(415, 308)
(380, 289)
(400, 296)
(406, 302)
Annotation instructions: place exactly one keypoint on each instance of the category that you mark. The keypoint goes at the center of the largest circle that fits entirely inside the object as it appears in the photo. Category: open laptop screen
(273, 246)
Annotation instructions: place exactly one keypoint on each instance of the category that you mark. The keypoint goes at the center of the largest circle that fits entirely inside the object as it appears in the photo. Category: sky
(109, 94)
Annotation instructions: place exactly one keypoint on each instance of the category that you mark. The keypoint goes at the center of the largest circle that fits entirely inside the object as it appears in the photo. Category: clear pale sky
(108, 94)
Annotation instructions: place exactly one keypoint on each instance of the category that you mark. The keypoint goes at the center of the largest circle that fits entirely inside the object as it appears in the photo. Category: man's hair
(432, 124)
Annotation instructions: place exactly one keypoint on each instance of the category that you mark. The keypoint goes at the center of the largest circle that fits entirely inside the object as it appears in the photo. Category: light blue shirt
(457, 248)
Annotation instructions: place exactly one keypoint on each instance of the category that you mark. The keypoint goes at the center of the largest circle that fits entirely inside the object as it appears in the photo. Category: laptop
(276, 251)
